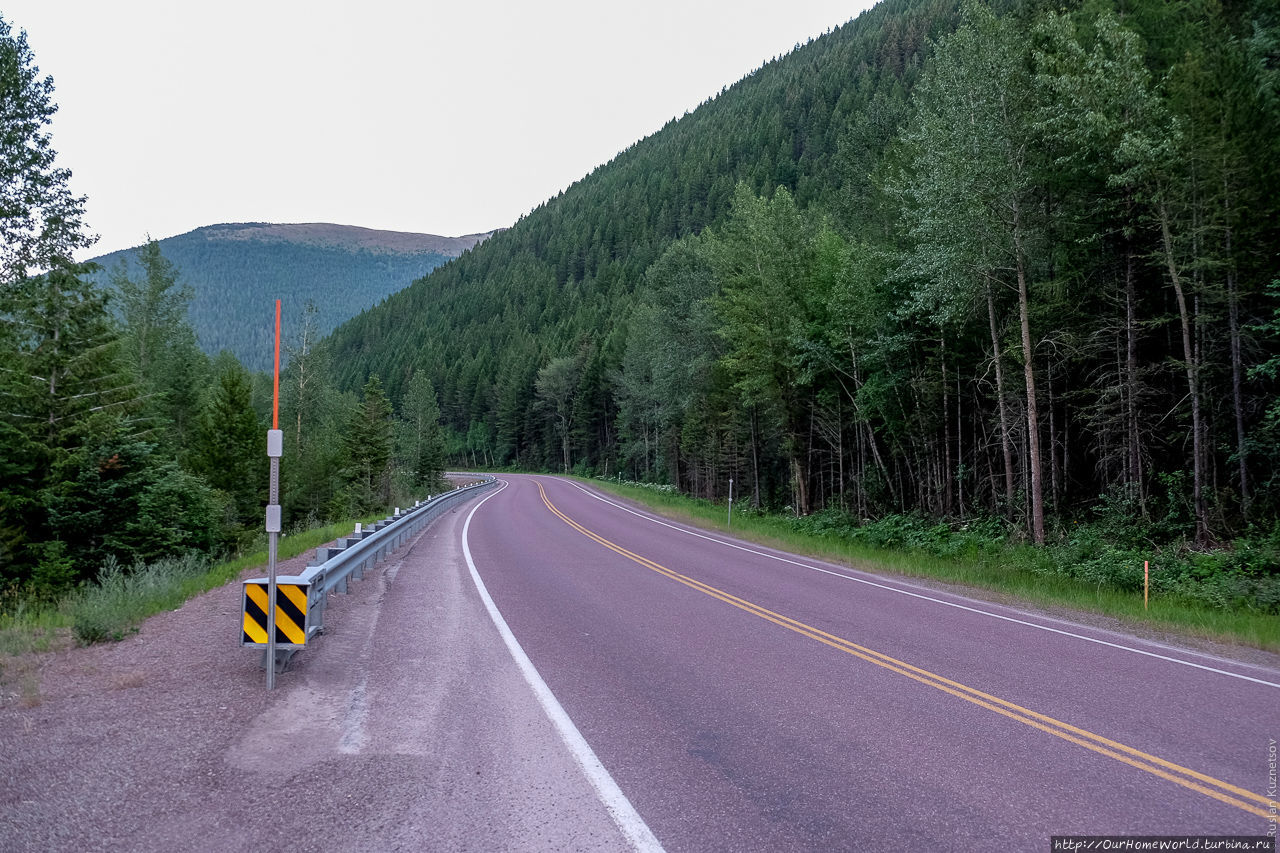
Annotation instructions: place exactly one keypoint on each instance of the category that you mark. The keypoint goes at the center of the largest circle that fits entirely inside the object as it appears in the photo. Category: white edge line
(629, 822)
(924, 597)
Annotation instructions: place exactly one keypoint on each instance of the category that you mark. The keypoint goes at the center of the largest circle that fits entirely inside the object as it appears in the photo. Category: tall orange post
(275, 449)
(275, 403)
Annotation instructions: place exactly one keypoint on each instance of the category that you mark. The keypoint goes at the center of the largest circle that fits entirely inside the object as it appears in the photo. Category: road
(545, 668)
(748, 700)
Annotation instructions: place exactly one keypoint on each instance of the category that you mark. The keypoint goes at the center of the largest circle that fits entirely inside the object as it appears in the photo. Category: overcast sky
(444, 118)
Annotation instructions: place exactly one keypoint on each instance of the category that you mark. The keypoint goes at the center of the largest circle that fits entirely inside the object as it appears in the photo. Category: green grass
(122, 599)
(25, 628)
(1015, 573)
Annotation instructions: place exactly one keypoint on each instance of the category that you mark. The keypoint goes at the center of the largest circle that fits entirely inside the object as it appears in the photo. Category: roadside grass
(124, 597)
(1013, 573)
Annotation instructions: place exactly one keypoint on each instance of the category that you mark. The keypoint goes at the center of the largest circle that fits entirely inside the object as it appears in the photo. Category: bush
(660, 488)
(910, 533)
(1107, 553)
(121, 599)
(54, 572)
(178, 512)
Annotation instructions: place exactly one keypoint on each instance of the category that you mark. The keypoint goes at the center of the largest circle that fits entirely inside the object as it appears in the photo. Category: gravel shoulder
(406, 727)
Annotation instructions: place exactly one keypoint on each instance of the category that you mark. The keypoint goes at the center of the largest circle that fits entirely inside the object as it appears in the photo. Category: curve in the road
(624, 814)
(932, 599)
(1199, 782)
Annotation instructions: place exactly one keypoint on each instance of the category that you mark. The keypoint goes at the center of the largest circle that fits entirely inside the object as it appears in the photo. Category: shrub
(121, 599)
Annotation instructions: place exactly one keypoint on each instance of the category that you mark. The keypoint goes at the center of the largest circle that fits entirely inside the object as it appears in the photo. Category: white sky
(444, 118)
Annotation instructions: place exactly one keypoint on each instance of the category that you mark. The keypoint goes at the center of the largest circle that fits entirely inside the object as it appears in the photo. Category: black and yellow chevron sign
(291, 614)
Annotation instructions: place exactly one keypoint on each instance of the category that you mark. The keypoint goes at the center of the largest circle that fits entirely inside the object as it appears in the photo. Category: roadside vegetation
(121, 597)
(991, 284)
(981, 291)
(1227, 595)
(129, 458)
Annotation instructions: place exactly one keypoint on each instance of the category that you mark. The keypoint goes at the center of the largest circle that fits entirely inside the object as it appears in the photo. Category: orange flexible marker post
(275, 445)
(275, 405)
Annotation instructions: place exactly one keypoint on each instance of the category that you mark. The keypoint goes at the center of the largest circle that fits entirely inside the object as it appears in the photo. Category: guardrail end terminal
(332, 568)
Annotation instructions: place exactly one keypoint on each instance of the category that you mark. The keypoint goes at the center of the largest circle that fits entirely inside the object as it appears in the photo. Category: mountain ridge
(236, 271)
(332, 234)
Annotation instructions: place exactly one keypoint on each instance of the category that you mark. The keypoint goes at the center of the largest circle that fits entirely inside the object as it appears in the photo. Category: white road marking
(901, 591)
(629, 822)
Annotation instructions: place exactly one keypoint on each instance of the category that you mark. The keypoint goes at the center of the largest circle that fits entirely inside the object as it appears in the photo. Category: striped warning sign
(291, 614)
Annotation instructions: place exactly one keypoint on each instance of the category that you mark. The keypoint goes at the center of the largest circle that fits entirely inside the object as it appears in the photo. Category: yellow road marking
(1216, 788)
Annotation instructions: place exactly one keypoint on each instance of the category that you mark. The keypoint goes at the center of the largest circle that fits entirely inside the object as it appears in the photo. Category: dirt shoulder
(114, 721)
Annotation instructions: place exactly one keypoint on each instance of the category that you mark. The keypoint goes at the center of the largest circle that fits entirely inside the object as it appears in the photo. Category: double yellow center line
(1209, 786)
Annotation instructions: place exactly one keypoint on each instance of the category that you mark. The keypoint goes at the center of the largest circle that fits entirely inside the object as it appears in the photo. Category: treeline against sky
(122, 443)
(233, 281)
(1004, 259)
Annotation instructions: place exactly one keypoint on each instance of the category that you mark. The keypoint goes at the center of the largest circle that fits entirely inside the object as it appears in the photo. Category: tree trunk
(948, 494)
(1005, 448)
(755, 462)
(1237, 396)
(1193, 382)
(1054, 481)
(959, 451)
(1133, 444)
(800, 486)
(564, 444)
(840, 452)
(1033, 418)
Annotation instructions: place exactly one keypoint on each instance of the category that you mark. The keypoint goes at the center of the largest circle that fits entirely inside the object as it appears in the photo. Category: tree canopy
(994, 259)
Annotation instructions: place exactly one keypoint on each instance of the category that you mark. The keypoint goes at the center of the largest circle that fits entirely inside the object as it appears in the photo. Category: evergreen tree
(115, 498)
(40, 220)
(420, 441)
(60, 384)
(153, 308)
(230, 445)
(367, 447)
(57, 368)
(160, 346)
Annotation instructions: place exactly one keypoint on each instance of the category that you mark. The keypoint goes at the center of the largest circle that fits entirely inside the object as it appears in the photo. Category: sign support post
(730, 523)
(275, 447)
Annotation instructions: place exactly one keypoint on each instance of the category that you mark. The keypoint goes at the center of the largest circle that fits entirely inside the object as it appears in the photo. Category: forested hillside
(563, 280)
(994, 267)
(126, 451)
(1018, 263)
(237, 271)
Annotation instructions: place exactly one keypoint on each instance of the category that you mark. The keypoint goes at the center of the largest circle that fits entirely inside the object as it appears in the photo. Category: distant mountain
(238, 270)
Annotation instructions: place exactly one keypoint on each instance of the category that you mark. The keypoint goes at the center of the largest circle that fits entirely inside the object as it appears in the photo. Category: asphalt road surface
(545, 668)
(743, 699)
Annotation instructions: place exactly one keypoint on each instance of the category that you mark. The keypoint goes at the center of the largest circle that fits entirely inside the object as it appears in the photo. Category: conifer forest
(1012, 265)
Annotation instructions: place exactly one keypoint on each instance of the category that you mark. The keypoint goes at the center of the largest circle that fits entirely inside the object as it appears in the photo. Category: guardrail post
(324, 555)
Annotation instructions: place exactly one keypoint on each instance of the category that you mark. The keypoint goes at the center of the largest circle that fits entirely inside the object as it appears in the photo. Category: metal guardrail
(333, 566)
